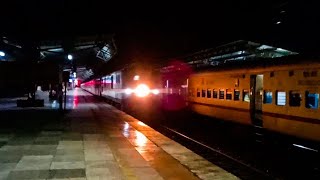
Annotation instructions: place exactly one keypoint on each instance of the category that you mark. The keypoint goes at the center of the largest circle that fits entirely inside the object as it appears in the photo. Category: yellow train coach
(280, 95)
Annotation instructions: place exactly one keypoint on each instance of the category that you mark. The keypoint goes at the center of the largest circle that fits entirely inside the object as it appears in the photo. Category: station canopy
(75, 54)
(234, 51)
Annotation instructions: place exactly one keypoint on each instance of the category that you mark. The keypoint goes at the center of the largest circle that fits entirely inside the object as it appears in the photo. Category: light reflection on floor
(126, 132)
(81, 99)
(75, 102)
(140, 139)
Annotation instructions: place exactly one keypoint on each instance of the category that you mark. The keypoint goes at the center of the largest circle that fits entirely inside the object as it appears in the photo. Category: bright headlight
(142, 90)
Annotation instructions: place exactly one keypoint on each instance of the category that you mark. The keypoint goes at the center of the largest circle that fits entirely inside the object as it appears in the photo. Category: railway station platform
(93, 140)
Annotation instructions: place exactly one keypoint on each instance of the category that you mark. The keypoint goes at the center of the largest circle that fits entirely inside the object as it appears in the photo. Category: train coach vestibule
(256, 86)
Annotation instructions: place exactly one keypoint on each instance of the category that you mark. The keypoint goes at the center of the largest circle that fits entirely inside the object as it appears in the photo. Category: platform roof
(235, 51)
(238, 51)
(86, 51)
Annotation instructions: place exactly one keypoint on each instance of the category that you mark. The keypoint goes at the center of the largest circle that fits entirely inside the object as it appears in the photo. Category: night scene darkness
(168, 28)
(159, 89)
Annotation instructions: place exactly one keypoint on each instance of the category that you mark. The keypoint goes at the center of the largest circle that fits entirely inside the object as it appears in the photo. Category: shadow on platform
(30, 120)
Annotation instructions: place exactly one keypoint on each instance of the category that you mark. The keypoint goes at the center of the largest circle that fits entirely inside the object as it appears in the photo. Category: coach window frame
(198, 92)
(221, 90)
(209, 93)
(295, 98)
(215, 93)
(203, 93)
(266, 96)
(308, 98)
(238, 96)
(283, 94)
(228, 94)
(246, 95)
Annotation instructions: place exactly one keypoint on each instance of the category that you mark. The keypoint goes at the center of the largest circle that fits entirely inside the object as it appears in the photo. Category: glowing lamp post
(70, 57)
(2, 54)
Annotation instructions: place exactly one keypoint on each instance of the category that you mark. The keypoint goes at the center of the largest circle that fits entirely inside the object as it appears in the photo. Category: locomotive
(132, 83)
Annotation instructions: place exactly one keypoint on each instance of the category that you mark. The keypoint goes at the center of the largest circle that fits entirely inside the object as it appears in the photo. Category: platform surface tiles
(93, 141)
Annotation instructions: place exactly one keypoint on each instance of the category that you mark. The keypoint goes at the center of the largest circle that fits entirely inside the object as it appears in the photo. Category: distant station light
(278, 22)
(70, 57)
(2, 54)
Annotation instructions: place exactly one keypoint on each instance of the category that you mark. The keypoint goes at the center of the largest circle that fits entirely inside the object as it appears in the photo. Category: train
(280, 95)
(277, 94)
(134, 82)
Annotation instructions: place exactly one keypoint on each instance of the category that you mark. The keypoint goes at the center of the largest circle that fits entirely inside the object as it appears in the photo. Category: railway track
(279, 160)
(237, 167)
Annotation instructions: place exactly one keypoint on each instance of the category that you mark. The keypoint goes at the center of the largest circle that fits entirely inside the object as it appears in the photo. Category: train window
(314, 73)
(198, 92)
(228, 94)
(246, 95)
(272, 74)
(118, 78)
(267, 99)
(294, 98)
(215, 94)
(203, 94)
(312, 100)
(281, 98)
(306, 74)
(208, 93)
(291, 73)
(221, 93)
(236, 95)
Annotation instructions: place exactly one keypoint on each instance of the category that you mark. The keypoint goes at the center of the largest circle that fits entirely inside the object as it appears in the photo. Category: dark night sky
(160, 29)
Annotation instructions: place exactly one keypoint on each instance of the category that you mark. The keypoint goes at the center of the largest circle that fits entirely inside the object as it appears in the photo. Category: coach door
(256, 90)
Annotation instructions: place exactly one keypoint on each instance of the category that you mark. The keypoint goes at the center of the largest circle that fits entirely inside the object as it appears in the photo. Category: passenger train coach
(279, 94)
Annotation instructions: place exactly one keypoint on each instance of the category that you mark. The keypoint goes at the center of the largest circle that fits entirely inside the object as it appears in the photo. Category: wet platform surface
(92, 141)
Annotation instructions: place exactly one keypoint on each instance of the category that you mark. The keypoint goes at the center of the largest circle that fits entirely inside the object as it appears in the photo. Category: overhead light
(70, 57)
(2, 54)
(279, 22)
